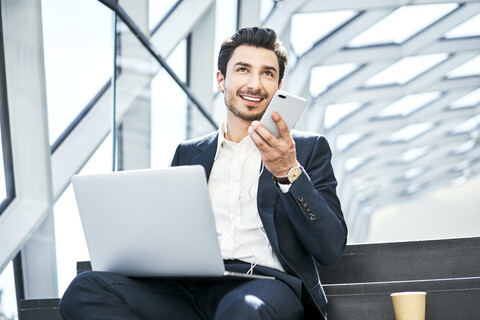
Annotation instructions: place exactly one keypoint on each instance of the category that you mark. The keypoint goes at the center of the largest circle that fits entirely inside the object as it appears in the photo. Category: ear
(220, 81)
(280, 84)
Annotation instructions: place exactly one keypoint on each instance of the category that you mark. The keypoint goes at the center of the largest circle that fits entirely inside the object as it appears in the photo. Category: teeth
(252, 99)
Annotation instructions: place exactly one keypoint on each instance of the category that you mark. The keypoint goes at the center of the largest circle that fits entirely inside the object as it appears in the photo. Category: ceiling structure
(394, 86)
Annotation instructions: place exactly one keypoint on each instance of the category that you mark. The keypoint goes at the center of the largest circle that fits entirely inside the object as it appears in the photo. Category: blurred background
(99, 85)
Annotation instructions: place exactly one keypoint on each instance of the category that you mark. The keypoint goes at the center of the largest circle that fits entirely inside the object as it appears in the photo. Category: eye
(242, 69)
(268, 73)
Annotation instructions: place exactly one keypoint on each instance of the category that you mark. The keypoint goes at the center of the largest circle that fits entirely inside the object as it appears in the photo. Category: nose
(254, 81)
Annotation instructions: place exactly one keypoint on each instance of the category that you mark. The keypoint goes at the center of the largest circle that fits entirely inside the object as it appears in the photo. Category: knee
(84, 281)
(260, 299)
(77, 292)
(245, 307)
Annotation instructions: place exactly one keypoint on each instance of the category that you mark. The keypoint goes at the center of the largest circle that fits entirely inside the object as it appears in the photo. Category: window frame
(5, 128)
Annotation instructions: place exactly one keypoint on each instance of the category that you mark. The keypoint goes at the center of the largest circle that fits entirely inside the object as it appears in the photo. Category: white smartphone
(288, 106)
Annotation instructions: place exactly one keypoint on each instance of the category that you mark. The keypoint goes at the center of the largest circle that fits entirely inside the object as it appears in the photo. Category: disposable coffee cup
(409, 305)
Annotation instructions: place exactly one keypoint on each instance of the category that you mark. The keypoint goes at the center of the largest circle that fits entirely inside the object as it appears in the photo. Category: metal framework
(383, 165)
(379, 158)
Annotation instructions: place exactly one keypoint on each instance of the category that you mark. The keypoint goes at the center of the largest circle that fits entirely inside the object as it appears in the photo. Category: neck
(237, 129)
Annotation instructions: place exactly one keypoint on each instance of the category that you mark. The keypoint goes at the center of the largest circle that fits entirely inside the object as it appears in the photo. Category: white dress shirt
(233, 186)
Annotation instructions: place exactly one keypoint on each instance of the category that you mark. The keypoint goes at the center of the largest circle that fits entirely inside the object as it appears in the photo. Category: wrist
(286, 169)
(291, 176)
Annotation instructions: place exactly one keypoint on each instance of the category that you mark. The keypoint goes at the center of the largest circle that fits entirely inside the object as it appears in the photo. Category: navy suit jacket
(305, 226)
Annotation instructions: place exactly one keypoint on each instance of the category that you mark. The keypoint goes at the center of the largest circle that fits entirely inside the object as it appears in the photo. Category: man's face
(250, 82)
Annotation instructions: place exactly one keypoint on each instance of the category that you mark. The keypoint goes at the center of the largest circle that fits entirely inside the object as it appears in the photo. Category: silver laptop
(151, 223)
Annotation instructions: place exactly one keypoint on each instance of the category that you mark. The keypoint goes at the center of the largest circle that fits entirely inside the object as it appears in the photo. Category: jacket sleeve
(312, 204)
(176, 157)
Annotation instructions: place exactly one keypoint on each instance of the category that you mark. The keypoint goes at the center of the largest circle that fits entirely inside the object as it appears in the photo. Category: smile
(251, 99)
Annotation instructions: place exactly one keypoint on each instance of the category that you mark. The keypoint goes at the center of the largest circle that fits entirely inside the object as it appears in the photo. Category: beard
(244, 115)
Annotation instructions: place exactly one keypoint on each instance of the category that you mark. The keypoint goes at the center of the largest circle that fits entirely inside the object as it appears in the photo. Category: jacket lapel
(267, 199)
(207, 150)
(267, 196)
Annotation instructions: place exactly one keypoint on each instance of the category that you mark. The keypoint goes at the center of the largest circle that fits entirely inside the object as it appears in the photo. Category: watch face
(294, 173)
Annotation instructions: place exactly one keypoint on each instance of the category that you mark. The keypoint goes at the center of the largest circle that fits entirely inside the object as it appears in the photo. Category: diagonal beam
(299, 75)
(334, 5)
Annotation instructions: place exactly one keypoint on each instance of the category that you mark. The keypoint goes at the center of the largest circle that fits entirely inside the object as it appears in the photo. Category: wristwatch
(291, 176)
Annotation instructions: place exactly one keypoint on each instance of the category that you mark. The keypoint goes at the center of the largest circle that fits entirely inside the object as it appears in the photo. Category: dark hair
(258, 37)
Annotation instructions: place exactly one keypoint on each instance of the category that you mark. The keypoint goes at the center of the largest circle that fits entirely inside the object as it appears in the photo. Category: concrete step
(446, 299)
(404, 261)
(39, 309)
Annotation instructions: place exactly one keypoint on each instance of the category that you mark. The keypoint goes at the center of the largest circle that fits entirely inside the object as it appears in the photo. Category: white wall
(448, 213)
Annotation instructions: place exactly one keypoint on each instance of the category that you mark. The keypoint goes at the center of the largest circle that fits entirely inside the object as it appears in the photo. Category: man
(275, 206)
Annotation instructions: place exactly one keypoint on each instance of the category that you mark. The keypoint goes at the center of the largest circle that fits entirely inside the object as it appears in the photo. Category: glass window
(8, 299)
(158, 10)
(174, 117)
(408, 104)
(78, 57)
(7, 188)
(226, 17)
(69, 239)
(153, 111)
(413, 154)
(414, 188)
(464, 147)
(334, 113)
(351, 164)
(345, 141)
(410, 132)
(3, 187)
(414, 172)
(469, 68)
(469, 100)
(325, 76)
(394, 29)
(169, 111)
(319, 25)
(469, 28)
(405, 70)
(266, 6)
(467, 126)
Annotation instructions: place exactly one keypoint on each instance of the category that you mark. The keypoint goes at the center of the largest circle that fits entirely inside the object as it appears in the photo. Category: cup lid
(408, 293)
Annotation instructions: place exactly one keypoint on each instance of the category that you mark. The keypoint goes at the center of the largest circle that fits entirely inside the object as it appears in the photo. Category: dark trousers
(102, 295)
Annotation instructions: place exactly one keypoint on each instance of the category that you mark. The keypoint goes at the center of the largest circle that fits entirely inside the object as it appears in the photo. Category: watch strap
(291, 176)
(281, 180)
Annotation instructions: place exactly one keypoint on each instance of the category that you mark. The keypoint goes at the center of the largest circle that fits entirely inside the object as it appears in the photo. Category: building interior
(95, 86)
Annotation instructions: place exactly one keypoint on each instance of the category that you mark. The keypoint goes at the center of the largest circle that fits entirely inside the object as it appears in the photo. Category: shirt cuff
(284, 187)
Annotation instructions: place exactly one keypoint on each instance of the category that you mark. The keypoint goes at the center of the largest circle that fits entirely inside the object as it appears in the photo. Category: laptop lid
(150, 223)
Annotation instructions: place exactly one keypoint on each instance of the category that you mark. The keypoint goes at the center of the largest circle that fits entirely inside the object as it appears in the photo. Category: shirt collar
(222, 134)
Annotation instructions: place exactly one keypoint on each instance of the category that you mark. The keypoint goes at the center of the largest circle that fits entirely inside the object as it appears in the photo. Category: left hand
(278, 154)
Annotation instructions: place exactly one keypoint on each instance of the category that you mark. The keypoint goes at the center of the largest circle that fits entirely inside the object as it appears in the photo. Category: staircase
(358, 286)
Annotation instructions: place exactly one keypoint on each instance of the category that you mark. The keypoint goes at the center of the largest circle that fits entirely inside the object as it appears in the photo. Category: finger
(283, 130)
(257, 138)
(266, 135)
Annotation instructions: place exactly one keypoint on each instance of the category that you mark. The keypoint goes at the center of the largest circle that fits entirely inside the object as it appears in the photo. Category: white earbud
(221, 86)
